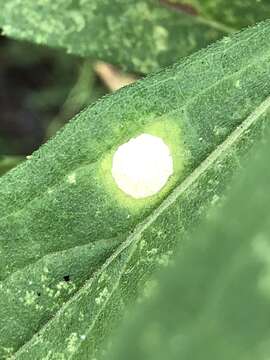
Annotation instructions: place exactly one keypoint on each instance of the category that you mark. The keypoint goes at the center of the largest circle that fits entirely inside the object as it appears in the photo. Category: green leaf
(234, 13)
(214, 302)
(148, 36)
(74, 249)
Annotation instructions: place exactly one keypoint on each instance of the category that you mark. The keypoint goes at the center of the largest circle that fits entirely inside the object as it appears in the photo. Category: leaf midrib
(135, 237)
(203, 20)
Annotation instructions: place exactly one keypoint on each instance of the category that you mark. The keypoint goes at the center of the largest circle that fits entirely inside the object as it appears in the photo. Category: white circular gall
(142, 166)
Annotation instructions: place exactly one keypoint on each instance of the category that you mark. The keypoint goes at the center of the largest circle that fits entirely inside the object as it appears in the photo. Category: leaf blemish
(170, 155)
(142, 166)
(71, 178)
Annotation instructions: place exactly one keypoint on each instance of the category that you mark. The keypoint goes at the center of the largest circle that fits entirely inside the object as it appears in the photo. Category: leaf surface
(150, 35)
(233, 13)
(214, 303)
(74, 250)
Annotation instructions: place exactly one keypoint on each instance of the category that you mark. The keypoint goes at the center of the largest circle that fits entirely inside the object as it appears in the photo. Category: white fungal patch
(142, 166)
(72, 178)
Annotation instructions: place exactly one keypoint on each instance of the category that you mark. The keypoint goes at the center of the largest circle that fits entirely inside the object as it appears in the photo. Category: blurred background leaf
(151, 34)
(138, 35)
(234, 13)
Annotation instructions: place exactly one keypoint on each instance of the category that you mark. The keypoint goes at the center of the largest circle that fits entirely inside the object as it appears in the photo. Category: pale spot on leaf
(72, 178)
(142, 166)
